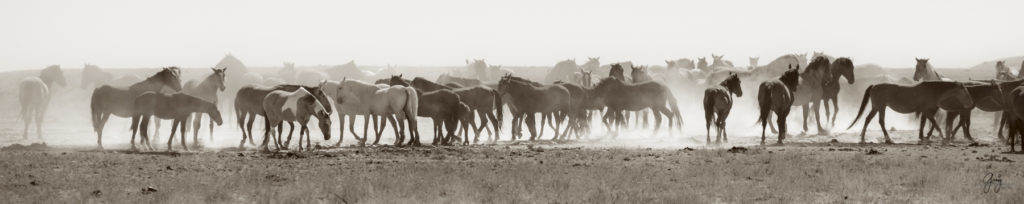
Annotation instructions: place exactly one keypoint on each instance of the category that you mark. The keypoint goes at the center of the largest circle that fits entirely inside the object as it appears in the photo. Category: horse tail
(675, 109)
(498, 105)
(94, 110)
(763, 96)
(411, 103)
(863, 103)
(239, 116)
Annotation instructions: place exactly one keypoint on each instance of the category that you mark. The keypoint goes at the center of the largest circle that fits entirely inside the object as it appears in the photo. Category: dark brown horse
(924, 98)
(438, 103)
(841, 67)
(518, 116)
(777, 96)
(177, 107)
(619, 96)
(1015, 109)
(639, 75)
(987, 97)
(529, 99)
(576, 113)
(718, 101)
(107, 100)
(486, 102)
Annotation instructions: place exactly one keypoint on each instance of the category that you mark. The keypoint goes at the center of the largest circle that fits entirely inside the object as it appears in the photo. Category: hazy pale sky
(197, 33)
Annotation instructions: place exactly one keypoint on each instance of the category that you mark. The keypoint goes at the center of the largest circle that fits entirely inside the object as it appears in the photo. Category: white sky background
(197, 33)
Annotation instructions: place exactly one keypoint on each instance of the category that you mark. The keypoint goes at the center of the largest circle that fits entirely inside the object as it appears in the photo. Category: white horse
(354, 98)
(34, 94)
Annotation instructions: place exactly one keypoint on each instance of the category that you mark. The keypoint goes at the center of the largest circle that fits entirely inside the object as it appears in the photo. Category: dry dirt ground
(518, 172)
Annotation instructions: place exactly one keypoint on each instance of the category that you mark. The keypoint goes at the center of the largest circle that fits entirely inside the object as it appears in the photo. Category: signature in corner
(992, 182)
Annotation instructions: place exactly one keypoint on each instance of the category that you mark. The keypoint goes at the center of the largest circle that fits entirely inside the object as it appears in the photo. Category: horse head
(753, 62)
(791, 78)
(843, 67)
(53, 75)
(323, 116)
(921, 70)
(397, 80)
(170, 77)
(732, 83)
(219, 75)
(617, 72)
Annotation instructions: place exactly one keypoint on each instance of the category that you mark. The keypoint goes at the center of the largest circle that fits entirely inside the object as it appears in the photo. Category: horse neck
(150, 84)
(209, 84)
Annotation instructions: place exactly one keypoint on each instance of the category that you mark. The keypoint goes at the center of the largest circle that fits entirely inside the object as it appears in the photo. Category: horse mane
(791, 78)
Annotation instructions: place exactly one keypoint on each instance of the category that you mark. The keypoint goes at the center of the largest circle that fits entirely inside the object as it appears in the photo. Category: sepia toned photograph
(561, 101)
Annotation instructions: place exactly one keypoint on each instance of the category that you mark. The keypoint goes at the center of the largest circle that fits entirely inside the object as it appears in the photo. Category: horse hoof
(889, 142)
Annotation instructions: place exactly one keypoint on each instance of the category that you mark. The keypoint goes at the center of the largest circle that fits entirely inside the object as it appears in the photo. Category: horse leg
(144, 131)
(805, 110)
(931, 118)
(1002, 121)
(782, 124)
(341, 130)
(835, 105)
(817, 118)
(657, 121)
(266, 134)
(543, 117)
(291, 130)
(765, 113)
(771, 123)
(531, 126)
(377, 132)
(135, 128)
(280, 133)
(920, 129)
(437, 131)
(483, 126)
(646, 113)
(210, 124)
(828, 113)
(395, 125)
(366, 125)
(965, 121)
(197, 121)
(249, 127)
(950, 116)
(302, 132)
(26, 115)
(170, 139)
(400, 135)
(708, 118)
(182, 132)
(40, 114)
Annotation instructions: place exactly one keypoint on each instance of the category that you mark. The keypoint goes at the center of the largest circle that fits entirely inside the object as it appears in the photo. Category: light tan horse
(295, 106)
(207, 91)
(354, 98)
(1003, 72)
(34, 94)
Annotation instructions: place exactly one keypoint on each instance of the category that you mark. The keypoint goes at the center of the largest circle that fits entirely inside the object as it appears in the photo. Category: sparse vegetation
(803, 173)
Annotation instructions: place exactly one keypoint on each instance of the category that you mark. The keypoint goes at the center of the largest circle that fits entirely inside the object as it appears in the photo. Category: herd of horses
(471, 101)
